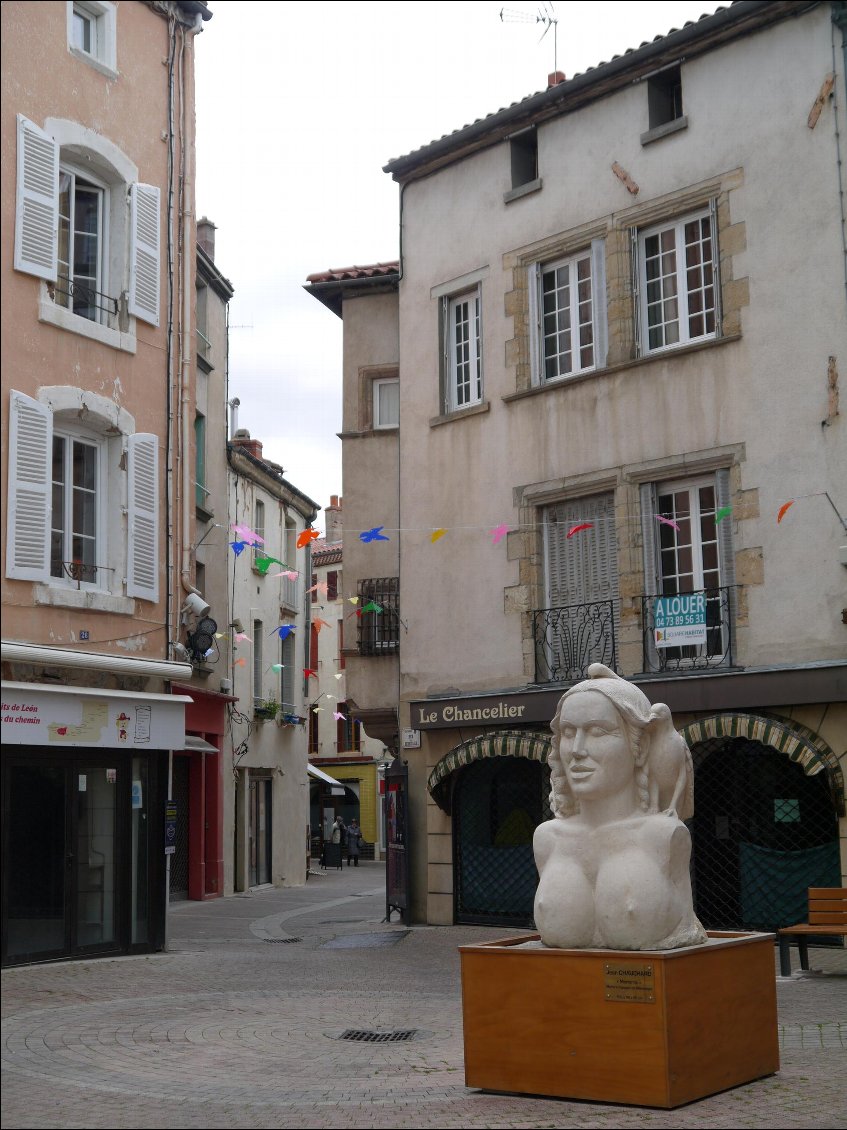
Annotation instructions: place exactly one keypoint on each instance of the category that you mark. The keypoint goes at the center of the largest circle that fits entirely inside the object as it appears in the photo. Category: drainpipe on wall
(186, 342)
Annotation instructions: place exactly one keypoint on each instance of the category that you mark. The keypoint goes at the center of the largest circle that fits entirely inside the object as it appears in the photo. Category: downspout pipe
(186, 340)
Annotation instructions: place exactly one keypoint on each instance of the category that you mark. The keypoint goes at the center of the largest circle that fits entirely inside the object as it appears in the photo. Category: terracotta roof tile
(513, 105)
(341, 274)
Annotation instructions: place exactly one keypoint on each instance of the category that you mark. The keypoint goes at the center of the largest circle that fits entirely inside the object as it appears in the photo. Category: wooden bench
(827, 918)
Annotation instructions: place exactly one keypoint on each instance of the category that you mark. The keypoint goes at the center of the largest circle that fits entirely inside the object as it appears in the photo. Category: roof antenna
(546, 15)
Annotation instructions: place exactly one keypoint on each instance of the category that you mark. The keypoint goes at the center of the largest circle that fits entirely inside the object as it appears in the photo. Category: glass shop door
(60, 858)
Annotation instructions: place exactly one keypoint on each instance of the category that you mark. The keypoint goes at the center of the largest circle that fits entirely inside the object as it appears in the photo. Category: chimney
(242, 439)
(555, 78)
(206, 237)
(332, 517)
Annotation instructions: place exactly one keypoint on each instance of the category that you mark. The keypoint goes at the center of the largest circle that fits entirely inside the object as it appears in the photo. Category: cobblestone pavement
(239, 1025)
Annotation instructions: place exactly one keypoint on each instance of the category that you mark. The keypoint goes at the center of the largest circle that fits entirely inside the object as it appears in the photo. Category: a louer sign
(680, 620)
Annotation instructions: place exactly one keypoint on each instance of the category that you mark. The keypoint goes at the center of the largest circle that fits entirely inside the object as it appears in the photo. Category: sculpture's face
(594, 746)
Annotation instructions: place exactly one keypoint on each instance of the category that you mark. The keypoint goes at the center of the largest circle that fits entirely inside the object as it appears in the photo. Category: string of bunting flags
(262, 562)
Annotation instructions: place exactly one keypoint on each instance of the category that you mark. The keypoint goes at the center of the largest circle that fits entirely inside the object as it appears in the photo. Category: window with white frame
(568, 310)
(287, 676)
(77, 549)
(82, 212)
(676, 283)
(68, 484)
(259, 528)
(462, 343)
(386, 405)
(258, 668)
(71, 230)
(92, 27)
(688, 550)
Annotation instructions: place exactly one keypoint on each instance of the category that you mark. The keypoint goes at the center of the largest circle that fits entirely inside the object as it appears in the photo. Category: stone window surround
(368, 374)
(525, 545)
(615, 230)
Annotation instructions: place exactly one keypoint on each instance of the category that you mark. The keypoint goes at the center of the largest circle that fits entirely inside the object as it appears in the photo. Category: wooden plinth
(651, 1028)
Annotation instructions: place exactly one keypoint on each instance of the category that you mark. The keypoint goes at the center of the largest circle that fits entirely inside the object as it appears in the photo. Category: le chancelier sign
(485, 710)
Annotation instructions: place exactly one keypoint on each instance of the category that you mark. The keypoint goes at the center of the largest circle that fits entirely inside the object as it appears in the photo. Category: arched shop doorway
(497, 788)
(767, 795)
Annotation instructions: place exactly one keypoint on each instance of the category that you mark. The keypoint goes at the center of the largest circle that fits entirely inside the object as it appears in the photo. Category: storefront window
(140, 853)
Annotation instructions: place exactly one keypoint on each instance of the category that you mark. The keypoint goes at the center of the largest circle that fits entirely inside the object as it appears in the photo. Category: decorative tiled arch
(506, 743)
(796, 741)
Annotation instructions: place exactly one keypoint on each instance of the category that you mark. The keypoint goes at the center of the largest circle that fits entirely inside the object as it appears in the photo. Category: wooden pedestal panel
(651, 1028)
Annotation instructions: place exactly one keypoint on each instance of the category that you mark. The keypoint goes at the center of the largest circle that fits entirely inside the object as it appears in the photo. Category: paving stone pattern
(225, 1030)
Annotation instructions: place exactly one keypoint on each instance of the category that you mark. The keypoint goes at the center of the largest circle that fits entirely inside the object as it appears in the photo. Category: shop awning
(198, 745)
(313, 771)
(786, 735)
(506, 743)
(69, 716)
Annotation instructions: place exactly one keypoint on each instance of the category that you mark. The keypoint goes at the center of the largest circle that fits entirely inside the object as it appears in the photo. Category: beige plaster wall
(370, 463)
(40, 80)
(763, 394)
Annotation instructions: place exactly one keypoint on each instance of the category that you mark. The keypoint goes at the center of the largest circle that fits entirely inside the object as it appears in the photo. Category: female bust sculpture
(613, 862)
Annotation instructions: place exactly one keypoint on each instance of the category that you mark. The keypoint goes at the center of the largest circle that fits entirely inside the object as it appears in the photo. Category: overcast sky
(299, 105)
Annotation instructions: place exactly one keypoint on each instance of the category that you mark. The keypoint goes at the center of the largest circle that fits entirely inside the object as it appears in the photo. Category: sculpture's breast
(564, 901)
(637, 903)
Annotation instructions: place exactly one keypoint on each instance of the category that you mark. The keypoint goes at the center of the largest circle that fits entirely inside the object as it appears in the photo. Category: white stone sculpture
(614, 861)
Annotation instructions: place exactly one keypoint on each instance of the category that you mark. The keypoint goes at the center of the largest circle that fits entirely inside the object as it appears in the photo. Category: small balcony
(706, 616)
(569, 639)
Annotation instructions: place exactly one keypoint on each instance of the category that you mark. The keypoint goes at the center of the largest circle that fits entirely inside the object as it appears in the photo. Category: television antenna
(546, 15)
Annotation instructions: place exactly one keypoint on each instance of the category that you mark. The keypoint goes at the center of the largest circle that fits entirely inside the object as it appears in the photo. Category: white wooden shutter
(724, 528)
(716, 266)
(650, 538)
(143, 489)
(536, 338)
(584, 568)
(599, 301)
(144, 256)
(635, 273)
(30, 489)
(37, 202)
(444, 327)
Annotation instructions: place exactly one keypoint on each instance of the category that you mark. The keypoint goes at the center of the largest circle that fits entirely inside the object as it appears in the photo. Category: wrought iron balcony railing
(706, 616)
(569, 639)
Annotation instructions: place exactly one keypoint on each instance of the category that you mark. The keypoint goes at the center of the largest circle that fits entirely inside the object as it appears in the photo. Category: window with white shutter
(71, 229)
(580, 624)
(144, 253)
(28, 510)
(37, 203)
(143, 543)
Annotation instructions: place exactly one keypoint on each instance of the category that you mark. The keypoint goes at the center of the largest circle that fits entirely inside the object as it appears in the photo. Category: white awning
(59, 716)
(198, 745)
(313, 771)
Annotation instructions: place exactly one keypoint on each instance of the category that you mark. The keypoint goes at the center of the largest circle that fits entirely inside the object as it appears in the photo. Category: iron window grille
(715, 651)
(378, 615)
(569, 639)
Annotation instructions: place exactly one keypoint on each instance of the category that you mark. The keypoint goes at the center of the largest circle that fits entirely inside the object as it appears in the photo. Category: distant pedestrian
(354, 842)
(339, 831)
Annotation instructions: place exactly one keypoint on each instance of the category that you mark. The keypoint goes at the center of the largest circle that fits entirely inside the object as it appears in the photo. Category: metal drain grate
(283, 941)
(364, 1035)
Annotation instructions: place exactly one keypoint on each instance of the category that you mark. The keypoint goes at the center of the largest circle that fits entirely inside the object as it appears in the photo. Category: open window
(71, 230)
(69, 486)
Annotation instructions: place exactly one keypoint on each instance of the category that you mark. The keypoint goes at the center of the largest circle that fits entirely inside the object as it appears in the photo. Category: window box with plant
(266, 709)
